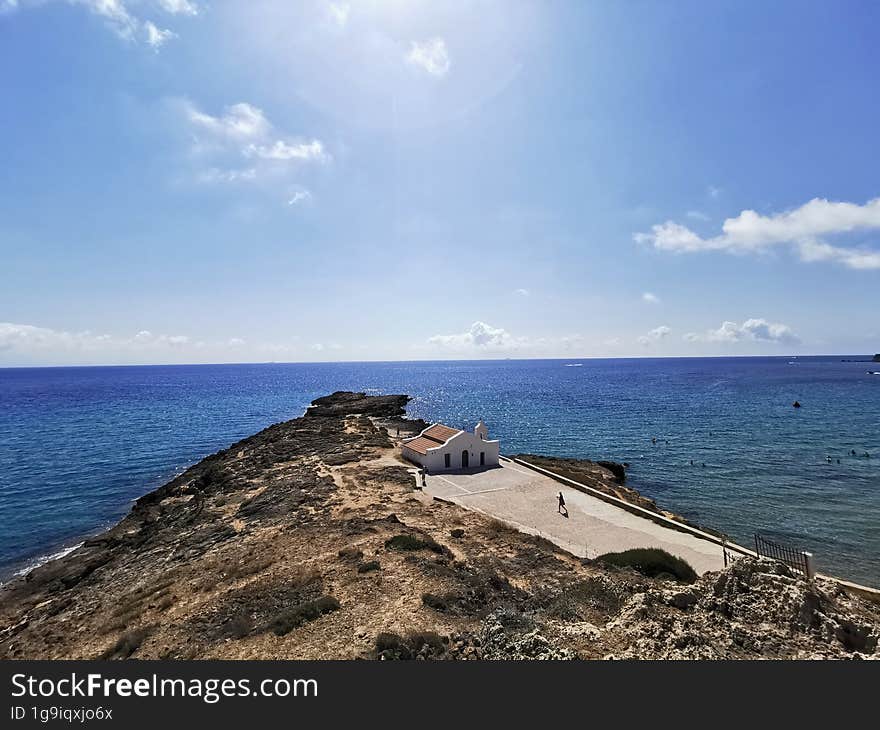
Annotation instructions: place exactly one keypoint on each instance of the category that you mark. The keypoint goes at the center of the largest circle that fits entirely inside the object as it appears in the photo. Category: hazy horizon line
(434, 360)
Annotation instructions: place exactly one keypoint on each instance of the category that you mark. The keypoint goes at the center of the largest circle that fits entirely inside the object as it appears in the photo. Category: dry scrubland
(308, 540)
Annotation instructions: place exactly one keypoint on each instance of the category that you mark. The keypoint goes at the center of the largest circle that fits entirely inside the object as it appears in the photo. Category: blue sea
(77, 445)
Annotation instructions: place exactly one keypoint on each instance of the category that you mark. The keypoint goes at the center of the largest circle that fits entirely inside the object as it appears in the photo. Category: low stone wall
(866, 592)
(635, 509)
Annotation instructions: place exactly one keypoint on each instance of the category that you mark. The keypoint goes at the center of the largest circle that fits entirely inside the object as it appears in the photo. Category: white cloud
(713, 192)
(697, 215)
(850, 257)
(655, 335)
(240, 144)
(478, 335)
(28, 338)
(431, 56)
(671, 236)
(30, 344)
(216, 175)
(482, 338)
(802, 229)
(522, 292)
(179, 7)
(16, 335)
(338, 13)
(240, 121)
(300, 196)
(115, 13)
(157, 37)
(756, 330)
(281, 150)
(650, 298)
(118, 17)
(570, 342)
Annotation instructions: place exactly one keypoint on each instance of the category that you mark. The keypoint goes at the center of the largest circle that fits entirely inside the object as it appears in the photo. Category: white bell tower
(480, 431)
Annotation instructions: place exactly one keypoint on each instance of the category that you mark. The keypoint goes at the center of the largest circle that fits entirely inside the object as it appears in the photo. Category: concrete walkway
(527, 500)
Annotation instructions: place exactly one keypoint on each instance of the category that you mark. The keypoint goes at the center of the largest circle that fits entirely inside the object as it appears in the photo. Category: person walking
(563, 510)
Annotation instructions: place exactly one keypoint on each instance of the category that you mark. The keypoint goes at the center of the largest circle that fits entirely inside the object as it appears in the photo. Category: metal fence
(730, 555)
(795, 559)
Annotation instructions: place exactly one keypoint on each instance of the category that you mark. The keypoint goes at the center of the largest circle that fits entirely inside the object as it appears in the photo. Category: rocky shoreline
(309, 540)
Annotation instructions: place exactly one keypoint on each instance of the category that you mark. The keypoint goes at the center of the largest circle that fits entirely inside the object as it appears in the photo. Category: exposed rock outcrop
(343, 403)
(754, 608)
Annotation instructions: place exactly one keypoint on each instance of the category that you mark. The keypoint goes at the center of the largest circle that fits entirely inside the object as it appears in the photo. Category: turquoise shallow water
(77, 445)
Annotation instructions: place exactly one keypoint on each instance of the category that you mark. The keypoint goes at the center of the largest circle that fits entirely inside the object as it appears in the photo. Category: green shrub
(213, 475)
(412, 542)
(500, 528)
(302, 613)
(418, 639)
(239, 626)
(351, 553)
(651, 562)
(438, 603)
(165, 603)
(127, 645)
(392, 646)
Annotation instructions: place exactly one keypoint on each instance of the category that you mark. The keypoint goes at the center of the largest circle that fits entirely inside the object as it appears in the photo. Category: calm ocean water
(77, 445)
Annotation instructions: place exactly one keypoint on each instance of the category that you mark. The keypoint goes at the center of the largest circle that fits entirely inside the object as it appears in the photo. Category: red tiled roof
(440, 433)
(435, 436)
(420, 444)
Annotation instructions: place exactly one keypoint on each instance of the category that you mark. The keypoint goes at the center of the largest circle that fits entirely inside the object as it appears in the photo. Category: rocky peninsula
(310, 540)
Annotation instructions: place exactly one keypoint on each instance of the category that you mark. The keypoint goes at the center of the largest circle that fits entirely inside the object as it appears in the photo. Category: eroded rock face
(754, 608)
(498, 643)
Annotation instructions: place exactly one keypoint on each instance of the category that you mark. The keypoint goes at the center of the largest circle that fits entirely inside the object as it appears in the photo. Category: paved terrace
(527, 500)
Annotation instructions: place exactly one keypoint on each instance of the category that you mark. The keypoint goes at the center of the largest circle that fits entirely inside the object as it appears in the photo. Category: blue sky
(195, 181)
